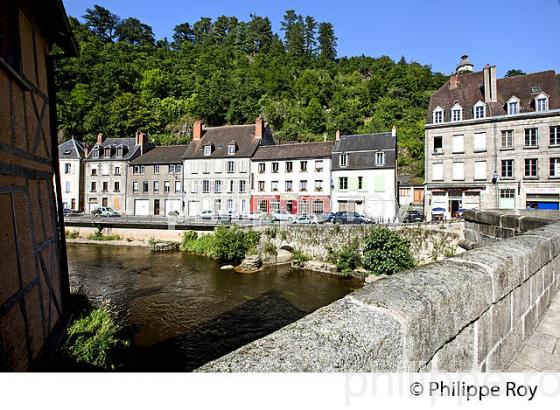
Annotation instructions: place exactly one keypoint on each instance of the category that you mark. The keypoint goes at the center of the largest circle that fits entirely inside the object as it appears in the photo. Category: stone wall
(471, 312)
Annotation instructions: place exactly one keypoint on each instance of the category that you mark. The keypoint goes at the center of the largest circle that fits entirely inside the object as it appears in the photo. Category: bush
(72, 234)
(271, 232)
(385, 252)
(226, 243)
(95, 340)
(347, 258)
(299, 258)
(270, 249)
(99, 236)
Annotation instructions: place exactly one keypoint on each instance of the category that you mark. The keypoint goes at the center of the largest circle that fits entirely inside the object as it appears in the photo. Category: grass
(71, 234)
(100, 236)
(225, 244)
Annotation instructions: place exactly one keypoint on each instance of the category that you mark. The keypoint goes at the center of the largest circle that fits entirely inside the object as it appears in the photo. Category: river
(185, 311)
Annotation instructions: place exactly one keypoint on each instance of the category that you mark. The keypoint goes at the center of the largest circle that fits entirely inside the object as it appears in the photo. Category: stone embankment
(471, 312)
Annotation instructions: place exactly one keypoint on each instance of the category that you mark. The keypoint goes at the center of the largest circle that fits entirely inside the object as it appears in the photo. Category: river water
(185, 311)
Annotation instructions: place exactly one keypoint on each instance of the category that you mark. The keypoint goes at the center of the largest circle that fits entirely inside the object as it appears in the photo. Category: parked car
(208, 214)
(306, 220)
(69, 211)
(256, 215)
(350, 218)
(105, 212)
(413, 216)
(327, 217)
(283, 216)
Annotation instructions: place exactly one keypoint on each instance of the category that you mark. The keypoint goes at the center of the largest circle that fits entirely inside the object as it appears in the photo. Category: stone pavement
(541, 352)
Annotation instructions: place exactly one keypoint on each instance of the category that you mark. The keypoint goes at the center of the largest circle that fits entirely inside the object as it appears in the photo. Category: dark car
(348, 218)
(413, 216)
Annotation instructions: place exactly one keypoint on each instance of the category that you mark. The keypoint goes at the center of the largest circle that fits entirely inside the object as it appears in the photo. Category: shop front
(293, 204)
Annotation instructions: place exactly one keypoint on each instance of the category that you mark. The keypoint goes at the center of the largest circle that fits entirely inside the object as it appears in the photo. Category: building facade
(411, 194)
(217, 167)
(155, 182)
(34, 288)
(106, 173)
(292, 177)
(364, 174)
(493, 143)
(71, 162)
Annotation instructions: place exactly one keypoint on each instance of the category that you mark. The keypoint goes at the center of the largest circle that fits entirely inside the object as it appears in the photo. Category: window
(458, 144)
(318, 185)
(107, 152)
(205, 186)
(67, 168)
(104, 202)
(438, 115)
(230, 205)
(542, 104)
(275, 167)
(206, 167)
(507, 193)
(480, 170)
(317, 206)
(218, 186)
(507, 139)
(303, 207)
(218, 205)
(120, 152)
(262, 167)
(231, 149)
(274, 186)
(166, 187)
(479, 142)
(94, 172)
(319, 166)
(135, 187)
(303, 185)
(156, 169)
(438, 145)
(231, 166)
(379, 159)
(117, 170)
(138, 170)
(513, 108)
(207, 150)
(343, 160)
(456, 113)
(458, 171)
(289, 186)
(117, 186)
(437, 172)
(145, 187)
(360, 183)
(263, 205)
(555, 135)
(242, 186)
(95, 153)
(68, 187)
(171, 169)
(289, 166)
(105, 186)
(555, 167)
(261, 186)
(479, 110)
(194, 187)
(178, 169)
(156, 187)
(343, 183)
(531, 137)
(531, 168)
(507, 168)
(303, 166)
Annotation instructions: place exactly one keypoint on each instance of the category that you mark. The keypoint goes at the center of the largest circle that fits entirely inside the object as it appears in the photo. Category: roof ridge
(296, 143)
(228, 126)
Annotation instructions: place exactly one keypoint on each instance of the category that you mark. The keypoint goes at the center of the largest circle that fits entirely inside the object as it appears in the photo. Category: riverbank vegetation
(227, 71)
(386, 252)
(228, 244)
(100, 236)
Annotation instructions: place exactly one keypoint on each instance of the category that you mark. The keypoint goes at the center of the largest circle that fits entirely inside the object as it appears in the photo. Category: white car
(282, 215)
(208, 214)
(104, 211)
(256, 215)
(307, 220)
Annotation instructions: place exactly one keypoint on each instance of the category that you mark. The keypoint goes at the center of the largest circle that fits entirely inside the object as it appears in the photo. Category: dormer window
(379, 159)
(438, 115)
(456, 113)
(95, 153)
(513, 106)
(479, 110)
(343, 160)
(231, 149)
(120, 152)
(541, 102)
(207, 150)
(107, 152)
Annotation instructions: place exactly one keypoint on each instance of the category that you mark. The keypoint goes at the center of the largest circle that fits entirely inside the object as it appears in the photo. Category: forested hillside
(228, 71)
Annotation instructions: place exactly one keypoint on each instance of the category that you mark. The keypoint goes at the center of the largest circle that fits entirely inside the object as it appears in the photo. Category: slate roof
(361, 151)
(294, 151)
(131, 150)
(71, 149)
(220, 137)
(470, 91)
(169, 154)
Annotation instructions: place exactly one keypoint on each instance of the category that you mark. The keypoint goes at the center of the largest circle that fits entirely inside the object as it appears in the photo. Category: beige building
(493, 143)
(71, 163)
(106, 173)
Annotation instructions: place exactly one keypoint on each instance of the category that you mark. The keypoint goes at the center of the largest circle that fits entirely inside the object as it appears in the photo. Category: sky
(521, 34)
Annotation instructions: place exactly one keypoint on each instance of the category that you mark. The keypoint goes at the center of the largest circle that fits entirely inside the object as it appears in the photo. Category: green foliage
(270, 249)
(228, 71)
(226, 243)
(100, 236)
(95, 339)
(71, 234)
(385, 252)
(271, 232)
(299, 258)
(347, 258)
(283, 234)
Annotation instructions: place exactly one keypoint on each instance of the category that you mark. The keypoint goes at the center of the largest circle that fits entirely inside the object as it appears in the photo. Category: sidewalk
(542, 350)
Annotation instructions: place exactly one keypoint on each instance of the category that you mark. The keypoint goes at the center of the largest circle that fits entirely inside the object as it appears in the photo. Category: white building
(292, 177)
(364, 174)
(70, 156)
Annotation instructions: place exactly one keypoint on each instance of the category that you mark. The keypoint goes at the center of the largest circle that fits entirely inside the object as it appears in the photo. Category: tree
(309, 34)
(327, 41)
(258, 35)
(101, 22)
(181, 33)
(385, 252)
(202, 30)
(133, 31)
(514, 72)
(294, 36)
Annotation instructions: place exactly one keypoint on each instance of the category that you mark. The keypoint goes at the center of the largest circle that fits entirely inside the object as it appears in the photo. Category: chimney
(394, 131)
(259, 127)
(197, 130)
(338, 135)
(453, 82)
(100, 138)
(86, 150)
(140, 138)
(490, 91)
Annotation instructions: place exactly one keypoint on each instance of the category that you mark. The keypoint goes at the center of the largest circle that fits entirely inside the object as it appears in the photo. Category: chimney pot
(490, 84)
(259, 127)
(338, 135)
(454, 82)
(394, 131)
(197, 130)
(100, 138)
